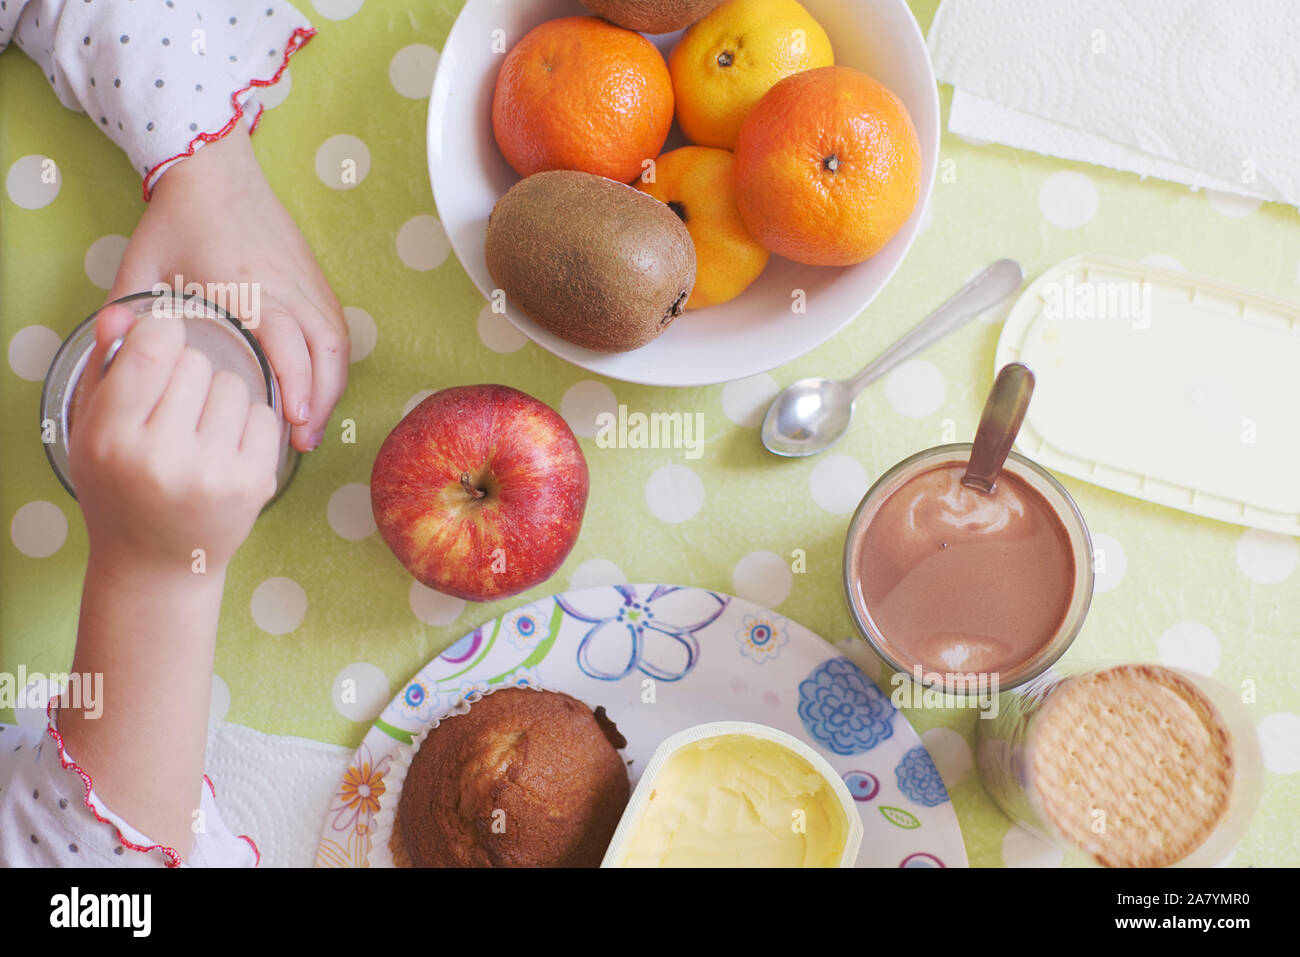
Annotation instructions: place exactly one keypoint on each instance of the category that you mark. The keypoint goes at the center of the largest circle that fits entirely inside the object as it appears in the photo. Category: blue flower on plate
(416, 701)
(919, 779)
(468, 692)
(762, 635)
(862, 785)
(654, 634)
(523, 678)
(525, 627)
(843, 709)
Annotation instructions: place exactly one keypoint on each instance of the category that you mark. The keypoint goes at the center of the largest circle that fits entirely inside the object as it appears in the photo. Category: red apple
(480, 491)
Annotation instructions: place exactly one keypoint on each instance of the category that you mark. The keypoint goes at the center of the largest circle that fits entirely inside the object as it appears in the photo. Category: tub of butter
(736, 794)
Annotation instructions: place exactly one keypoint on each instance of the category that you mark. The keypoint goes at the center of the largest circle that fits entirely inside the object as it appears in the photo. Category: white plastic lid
(1175, 389)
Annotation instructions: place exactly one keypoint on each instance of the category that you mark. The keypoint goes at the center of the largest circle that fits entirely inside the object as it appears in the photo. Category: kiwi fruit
(652, 16)
(598, 263)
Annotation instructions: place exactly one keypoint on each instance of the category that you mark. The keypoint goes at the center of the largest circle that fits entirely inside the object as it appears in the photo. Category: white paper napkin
(1203, 92)
(275, 788)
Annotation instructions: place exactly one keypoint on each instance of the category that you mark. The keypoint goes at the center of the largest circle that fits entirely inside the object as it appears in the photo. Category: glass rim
(1061, 641)
(71, 356)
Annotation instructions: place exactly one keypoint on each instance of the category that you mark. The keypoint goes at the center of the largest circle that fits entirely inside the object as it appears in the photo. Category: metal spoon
(1000, 422)
(812, 414)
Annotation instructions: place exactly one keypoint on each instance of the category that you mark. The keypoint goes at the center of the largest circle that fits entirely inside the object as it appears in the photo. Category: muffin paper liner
(385, 819)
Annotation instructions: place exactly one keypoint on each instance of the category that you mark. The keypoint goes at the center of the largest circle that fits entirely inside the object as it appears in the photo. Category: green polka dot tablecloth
(315, 596)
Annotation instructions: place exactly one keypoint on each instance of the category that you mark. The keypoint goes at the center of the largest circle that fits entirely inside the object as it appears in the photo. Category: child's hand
(167, 457)
(214, 218)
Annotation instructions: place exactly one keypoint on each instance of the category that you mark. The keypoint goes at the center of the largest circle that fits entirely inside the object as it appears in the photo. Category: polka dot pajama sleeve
(50, 815)
(160, 77)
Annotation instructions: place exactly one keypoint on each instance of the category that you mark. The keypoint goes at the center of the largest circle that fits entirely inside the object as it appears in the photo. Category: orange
(580, 93)
(828, 167)
(724, 64)
(696, 183)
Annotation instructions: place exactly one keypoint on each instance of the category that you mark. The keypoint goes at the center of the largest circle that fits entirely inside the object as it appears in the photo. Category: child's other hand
(214, 218)
(166, 456)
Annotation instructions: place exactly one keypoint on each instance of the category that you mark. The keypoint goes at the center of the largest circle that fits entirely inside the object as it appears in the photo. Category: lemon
(724, 64)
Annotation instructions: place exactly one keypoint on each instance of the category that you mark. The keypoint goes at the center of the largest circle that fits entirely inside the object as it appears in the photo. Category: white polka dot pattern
(1068, 199)
(412, 69)
(422, 243)
(279, 605)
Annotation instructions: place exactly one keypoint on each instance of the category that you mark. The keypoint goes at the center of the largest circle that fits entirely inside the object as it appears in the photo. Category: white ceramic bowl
(756, 331)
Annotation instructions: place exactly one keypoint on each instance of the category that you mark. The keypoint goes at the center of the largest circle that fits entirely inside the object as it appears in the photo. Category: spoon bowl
(807, 417)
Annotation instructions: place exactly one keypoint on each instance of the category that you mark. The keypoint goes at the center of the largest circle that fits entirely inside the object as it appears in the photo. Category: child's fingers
(328, 346)
(259, 448)
(140, 371)
(139, 270)
(111, 325)
(182, 402)
(226, 411)
(281, 339)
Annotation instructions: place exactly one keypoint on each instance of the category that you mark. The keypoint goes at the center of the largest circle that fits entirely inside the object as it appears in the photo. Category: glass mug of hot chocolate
(208, 328)
(963, 590)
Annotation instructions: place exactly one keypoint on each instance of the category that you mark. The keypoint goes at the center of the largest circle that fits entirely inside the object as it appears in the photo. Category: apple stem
(469, 486)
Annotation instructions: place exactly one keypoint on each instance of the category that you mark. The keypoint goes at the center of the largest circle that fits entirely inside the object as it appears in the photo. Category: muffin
(525, 778)
(1133, 764)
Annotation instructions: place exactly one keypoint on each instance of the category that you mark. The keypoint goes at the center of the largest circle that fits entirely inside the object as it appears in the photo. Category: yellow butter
(739, 801)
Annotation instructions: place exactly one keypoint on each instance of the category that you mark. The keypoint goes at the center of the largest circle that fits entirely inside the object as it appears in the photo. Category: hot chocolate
(962, 580)
(951, 581)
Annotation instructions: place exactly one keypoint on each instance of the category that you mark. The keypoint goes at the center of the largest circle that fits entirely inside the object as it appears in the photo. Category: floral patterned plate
(661, 658)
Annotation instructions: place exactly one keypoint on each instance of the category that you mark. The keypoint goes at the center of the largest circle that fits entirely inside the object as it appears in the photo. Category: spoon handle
(999, 424)
(986, 290)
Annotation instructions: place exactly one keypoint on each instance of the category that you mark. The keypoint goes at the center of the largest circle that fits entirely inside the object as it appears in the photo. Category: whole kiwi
(598, 263)
(652, 16)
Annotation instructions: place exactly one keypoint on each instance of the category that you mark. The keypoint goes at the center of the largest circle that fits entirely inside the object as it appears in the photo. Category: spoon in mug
(812, 414)
(999, 424)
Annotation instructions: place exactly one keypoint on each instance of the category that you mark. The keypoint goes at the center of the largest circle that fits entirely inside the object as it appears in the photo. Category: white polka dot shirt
(51, 816)
(160, 77)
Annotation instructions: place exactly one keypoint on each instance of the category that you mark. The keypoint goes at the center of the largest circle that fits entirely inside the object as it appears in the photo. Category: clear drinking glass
(1089, 747)
(1038, 480)
(209, 328)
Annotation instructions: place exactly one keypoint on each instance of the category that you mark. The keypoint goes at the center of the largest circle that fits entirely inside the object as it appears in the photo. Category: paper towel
(274, 788)
(1203, 92)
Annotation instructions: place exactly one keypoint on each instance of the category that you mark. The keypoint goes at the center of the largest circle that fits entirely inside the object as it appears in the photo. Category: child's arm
(176, 87)
(168, 460)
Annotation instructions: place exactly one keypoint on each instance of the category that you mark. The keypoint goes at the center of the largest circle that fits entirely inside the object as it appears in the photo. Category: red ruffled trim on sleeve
(173, 857)
(257, 855)
(296, 42)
